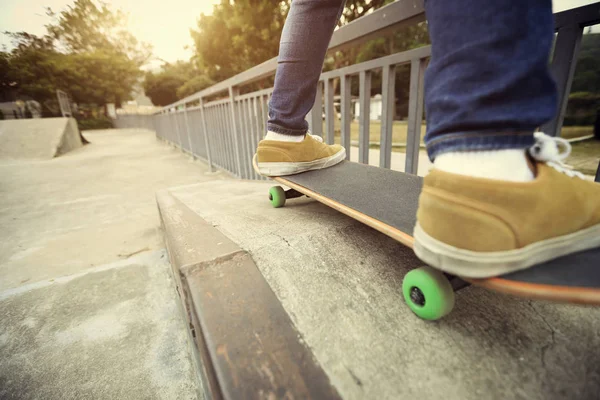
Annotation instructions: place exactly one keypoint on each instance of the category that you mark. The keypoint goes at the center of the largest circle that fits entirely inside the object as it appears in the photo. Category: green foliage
(174, 82)
(587, 72)
(238, 35)
(95, 123)
(584, 101)
(88, 26)
(1, 115)
(162, 87)
(86, 53)
(582, 109)
(194, 85)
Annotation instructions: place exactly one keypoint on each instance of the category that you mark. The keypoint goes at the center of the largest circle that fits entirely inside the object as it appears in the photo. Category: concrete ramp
(43, 138)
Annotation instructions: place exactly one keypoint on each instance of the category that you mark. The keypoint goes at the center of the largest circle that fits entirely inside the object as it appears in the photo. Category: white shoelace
(547, 149)
(317, 138)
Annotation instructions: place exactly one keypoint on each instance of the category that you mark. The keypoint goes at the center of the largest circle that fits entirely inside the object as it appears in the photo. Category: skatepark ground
(90, 307)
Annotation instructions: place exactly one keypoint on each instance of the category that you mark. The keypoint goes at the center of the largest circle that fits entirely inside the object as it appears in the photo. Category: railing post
(206, 141)
(415, 115)
(388, 89)
(174, 114)
(563, 65)
(345, 105)
(259, 129)
(316, 114)
(364, 117)
(233, 93)
(245, 133)
(187, 129)
(329, 112)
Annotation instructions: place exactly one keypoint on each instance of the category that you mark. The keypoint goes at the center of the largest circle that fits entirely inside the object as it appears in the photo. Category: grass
(399, 131)
(571, 132)
(584, 156)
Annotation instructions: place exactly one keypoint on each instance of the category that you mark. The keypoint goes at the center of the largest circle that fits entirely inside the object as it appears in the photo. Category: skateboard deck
(387, 201)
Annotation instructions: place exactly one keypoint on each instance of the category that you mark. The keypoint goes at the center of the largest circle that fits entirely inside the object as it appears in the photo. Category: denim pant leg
(304, 41)
(488, 85)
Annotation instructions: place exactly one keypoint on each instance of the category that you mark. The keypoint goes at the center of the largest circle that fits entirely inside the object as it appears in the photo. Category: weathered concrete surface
(87, 303)
(87, 208)
(42, 138)
(340, 283)
(113, 333)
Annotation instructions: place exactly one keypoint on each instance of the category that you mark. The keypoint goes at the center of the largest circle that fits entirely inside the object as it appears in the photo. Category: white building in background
(376, 108)
(141, 104)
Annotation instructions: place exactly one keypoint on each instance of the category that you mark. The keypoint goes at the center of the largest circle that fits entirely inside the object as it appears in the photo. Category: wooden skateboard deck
(387, 201)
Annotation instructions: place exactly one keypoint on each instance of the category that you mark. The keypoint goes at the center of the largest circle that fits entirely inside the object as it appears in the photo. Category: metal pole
(415, 115)
(564, 60)
(206, 141)
(233, 93)
(316, 113)
(364, 117)
(388, 89)
(345, 105)
(187, 129)
(329, 112)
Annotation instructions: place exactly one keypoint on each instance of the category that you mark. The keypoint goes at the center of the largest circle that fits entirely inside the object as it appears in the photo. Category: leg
(488, 86)
(488, 207)
(304, 41)
(287, 149)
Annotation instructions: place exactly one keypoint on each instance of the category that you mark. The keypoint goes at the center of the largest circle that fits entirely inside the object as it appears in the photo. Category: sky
(165, 24)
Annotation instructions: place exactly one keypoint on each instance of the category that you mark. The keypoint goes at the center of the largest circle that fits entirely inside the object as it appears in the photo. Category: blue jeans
(487, 86)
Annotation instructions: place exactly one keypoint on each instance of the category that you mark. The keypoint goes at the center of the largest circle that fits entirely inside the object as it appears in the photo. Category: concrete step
(245, 345)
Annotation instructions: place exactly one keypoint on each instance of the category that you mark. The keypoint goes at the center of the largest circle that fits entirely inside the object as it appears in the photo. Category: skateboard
(387, 201)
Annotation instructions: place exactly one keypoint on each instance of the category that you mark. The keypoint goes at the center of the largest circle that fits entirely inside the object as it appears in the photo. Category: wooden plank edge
(384, 228)
(188, 239)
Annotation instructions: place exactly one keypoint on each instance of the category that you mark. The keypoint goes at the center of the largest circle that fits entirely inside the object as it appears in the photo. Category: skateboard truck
(278, 196)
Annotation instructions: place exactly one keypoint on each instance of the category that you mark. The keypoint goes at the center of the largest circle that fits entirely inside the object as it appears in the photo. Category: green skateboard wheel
(428, 293)
(277, 196)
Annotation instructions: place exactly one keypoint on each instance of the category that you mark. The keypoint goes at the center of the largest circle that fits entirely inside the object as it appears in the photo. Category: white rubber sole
(472, 264)
(291, 168)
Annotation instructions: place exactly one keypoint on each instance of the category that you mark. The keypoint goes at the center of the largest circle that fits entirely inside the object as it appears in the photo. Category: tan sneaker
(276, 158)
(479, 228)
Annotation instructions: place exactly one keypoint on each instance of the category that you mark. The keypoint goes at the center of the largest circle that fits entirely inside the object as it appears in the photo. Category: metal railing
(225, 132)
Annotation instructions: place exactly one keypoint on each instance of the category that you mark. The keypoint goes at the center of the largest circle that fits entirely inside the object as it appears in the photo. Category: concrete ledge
(245, 344)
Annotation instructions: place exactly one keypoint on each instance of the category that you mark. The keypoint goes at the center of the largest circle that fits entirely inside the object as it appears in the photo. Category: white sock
(283, 138)
(506, 165)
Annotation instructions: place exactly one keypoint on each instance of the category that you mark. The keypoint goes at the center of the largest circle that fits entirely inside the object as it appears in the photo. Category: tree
(86, 52)
(583, 107)
(87, 26)
(587, 72)
(31, 68)
(173, 82)
(162, 87)
(196, 84)
(238, 35)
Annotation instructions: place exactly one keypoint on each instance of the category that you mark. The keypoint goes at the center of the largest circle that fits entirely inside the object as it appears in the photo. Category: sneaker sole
(291, 168)
(473, 264)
